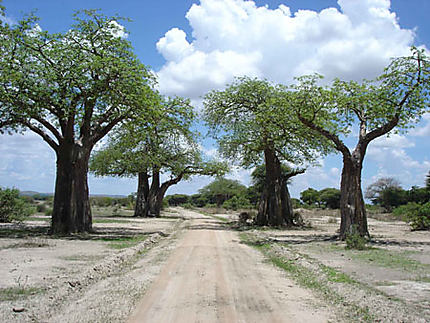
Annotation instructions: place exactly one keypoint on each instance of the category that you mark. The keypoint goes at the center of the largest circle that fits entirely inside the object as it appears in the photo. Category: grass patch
(17, 293)
(307, 278)
(380, 257)
(124, 242)
(335, 276)
(389, 259)
(86, 258)
(220, 218)
(23, 232)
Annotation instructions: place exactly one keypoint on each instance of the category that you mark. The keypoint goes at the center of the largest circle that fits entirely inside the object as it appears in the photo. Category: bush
(199, 200)
(355, 241)
(187, 206)
(417, 215)
(178, 199)
(235, 203)
(41, 208)
(48, 211)
(12, 207)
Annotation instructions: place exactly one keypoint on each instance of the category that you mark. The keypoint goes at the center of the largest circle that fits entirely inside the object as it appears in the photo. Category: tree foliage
(428, 181)
(395, 100)
(222, 189)
(383, 192)
(325, 198)
(162, 143)
(12, 206)
(71, 89)
(418, 215)
(249, 120)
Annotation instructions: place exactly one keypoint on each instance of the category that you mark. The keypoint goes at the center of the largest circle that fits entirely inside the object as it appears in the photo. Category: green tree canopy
(221, 190)
(71, 89)
(249, 120)
(395, 100)
(162, 143)
(310, 196)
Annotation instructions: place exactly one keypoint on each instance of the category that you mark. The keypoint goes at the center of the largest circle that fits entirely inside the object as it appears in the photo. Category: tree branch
(42, 134)
(339, 145)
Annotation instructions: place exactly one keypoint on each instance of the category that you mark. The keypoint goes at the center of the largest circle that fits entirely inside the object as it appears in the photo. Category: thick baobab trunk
(156, 203)
(142, 194)
(352, 207)
(72, 211)
(150, 199)
(275, 207)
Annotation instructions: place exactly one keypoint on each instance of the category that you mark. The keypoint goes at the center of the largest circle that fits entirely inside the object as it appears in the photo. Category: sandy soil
(212, 277)
(392, 289)
(193, 268)
(48, 278)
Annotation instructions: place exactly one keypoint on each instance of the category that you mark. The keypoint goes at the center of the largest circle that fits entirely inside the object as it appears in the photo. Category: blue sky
(195, 46)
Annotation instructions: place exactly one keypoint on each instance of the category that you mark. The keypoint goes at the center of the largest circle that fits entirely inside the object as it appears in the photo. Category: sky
(197, 46)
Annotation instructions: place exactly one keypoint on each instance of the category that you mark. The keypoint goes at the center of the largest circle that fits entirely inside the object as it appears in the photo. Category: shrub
(178, 199)
(417, 215)
(187, 206)
(41, 207)
(236, 202)
(199, 200)
(355, 241)
(12, 207)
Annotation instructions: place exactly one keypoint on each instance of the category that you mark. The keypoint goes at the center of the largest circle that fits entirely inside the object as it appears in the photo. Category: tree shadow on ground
(24, 231)
(210, 225)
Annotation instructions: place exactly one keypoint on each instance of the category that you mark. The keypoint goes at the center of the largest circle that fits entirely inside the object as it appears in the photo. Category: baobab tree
(71, 89)
(162, 143)
(394, 101)
(251, 126)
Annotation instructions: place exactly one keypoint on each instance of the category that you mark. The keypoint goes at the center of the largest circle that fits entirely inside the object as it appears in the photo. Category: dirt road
(212, 277)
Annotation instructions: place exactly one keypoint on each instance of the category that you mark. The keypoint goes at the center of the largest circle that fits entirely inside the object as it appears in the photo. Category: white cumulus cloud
(236, 37)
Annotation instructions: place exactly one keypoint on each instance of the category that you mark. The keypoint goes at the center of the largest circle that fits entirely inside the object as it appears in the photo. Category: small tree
(330, 198)
(71, 89)
(251, 127)
(12, 207)
(221, 190)
(375, 191)
(395, 100)
(148, 147)
(310, 196)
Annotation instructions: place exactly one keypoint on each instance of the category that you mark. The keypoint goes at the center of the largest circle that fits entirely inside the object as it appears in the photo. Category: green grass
(17, 293)
(307, 278)
(425, 279)
(388, 259)
(382, 257)
(335, 276)
(123, 242)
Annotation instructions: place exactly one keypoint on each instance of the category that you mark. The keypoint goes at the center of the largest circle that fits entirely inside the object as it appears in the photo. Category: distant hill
(32, 193)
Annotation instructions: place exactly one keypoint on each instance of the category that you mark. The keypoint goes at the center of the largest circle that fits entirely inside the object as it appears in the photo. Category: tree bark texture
(352, 206)
(72, 211)
(142, 194)
(275, 208)
(149, 200)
